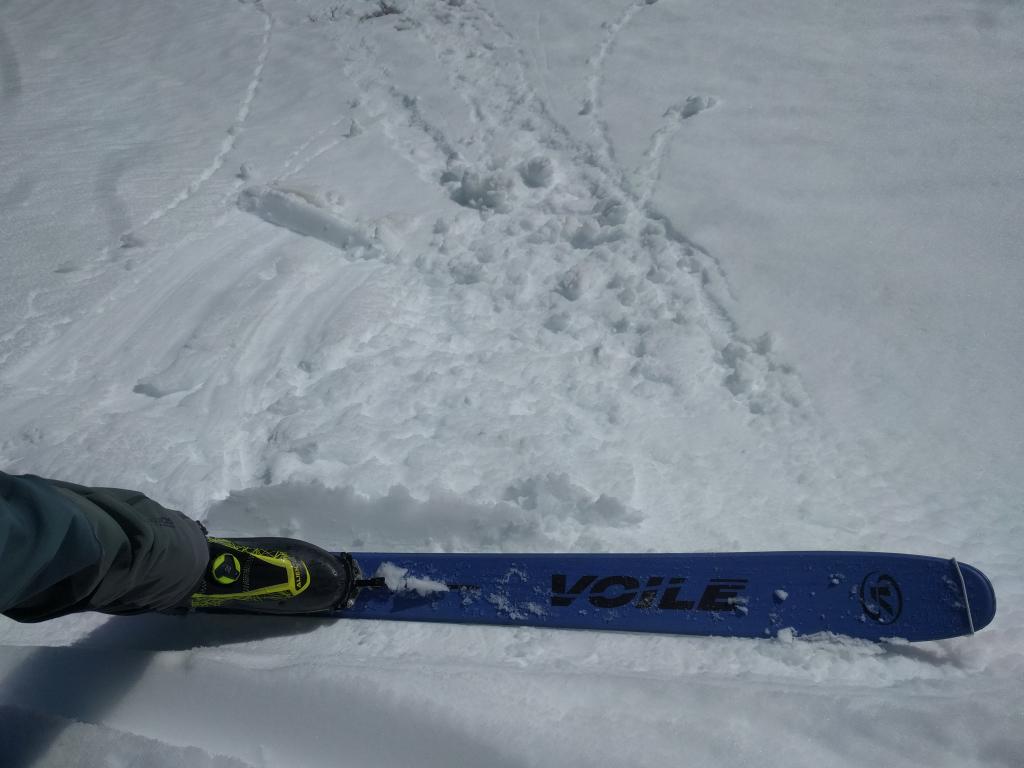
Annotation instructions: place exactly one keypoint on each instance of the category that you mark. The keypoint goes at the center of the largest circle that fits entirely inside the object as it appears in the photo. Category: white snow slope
(592, 275)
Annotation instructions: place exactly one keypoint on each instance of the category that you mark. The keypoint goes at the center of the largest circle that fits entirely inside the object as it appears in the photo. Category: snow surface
(592, 275)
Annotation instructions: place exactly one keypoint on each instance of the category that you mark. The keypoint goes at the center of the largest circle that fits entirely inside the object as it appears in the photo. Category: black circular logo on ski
(881, 598)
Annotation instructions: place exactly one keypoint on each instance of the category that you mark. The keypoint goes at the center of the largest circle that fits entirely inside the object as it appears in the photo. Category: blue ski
(870, 595)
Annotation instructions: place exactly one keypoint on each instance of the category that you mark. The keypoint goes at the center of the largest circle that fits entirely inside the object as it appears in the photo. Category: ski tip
(981, 596)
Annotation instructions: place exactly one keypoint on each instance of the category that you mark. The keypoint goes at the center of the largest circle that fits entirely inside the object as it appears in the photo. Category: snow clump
(484, 192)
(537, 172)
(398, 579)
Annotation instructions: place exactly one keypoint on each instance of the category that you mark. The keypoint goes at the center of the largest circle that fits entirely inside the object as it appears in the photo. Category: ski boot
(273, 576)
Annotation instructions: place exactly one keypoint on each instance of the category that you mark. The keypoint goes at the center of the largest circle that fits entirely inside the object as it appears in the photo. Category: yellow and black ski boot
(275, 576)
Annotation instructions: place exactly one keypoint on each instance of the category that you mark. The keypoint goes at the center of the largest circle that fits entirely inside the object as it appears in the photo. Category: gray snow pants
(67, 548)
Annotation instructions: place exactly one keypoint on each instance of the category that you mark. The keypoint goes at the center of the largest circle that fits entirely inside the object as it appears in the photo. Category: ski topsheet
(870, 595)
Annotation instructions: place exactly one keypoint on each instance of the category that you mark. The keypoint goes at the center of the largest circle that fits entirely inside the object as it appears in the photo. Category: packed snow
(467, 275)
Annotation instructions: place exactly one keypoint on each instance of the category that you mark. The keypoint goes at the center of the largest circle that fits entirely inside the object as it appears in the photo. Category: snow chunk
(304, 213)
(398, 579)
(781, 595)
(537, 172)
(739, 604)
(484, 192)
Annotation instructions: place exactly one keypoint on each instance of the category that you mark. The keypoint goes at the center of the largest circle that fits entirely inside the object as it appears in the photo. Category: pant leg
(137, 554)
(46, 546)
